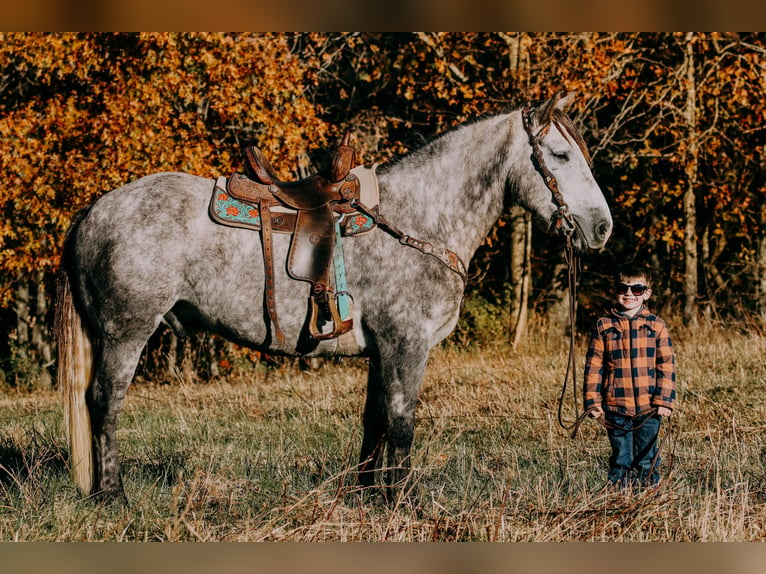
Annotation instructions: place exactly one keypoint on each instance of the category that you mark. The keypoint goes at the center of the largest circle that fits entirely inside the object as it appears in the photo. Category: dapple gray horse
(148, 253)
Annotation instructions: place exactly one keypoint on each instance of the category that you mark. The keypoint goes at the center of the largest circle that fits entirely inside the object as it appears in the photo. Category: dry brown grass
(270, 455)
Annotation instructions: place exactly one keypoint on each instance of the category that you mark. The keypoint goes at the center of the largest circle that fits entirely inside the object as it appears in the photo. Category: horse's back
(162, 200)
(145, 224)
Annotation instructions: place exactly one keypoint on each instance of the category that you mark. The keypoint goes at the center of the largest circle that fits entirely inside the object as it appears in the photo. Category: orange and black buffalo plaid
(630, 366)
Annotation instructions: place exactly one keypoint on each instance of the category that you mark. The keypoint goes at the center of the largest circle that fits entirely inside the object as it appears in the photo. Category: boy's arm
(665, 371)
(594, 371)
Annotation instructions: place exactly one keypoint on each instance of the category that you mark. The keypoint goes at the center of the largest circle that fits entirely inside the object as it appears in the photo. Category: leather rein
(564, 224)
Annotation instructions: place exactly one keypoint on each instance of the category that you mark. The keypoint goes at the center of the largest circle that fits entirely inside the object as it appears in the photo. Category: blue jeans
(635, 458)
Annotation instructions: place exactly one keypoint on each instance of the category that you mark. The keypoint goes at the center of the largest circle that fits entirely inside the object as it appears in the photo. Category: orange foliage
(85, 113)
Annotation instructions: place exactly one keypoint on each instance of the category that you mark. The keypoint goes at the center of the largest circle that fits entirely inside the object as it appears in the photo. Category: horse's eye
(561, 156)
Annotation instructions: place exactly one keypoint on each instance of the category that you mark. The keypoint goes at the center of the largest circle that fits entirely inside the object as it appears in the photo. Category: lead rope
(572, 264)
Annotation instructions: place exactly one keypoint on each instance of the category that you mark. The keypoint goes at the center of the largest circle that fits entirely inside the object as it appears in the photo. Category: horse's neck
(451, 191)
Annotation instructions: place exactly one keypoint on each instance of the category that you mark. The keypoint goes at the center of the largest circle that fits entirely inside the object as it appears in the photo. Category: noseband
(562, 214)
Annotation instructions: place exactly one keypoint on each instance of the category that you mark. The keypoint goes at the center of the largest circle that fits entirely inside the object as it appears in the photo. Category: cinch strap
(341, 288)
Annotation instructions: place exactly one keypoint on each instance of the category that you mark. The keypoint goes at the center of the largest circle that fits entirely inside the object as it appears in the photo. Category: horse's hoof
(370, 496)
(408, 499)
(110, 496)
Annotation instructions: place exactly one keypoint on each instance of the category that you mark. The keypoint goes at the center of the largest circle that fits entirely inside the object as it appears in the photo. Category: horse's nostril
(603, 229)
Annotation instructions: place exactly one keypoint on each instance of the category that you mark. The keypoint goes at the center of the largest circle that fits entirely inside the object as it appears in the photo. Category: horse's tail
(74, 371)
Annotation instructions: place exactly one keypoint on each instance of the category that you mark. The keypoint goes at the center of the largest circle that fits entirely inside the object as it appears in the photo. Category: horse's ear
(564, 100)
(543, 114)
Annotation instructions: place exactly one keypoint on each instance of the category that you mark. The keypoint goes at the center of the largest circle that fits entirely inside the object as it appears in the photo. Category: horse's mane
(559, 118)
(428, 143)
(563, 121)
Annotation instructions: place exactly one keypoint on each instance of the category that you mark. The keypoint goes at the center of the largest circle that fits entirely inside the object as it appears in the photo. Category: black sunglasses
(636, 289)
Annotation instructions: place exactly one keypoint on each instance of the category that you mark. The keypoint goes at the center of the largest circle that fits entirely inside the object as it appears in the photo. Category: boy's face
(627, 298)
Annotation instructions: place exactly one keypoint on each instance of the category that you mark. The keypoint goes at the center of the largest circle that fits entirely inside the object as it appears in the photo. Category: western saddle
(318, 202)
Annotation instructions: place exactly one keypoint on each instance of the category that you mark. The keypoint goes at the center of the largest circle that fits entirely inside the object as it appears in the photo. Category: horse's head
(559, 188)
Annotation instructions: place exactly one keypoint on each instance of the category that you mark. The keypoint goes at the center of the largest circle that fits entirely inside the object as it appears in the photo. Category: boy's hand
(663, 411)
(597, 412)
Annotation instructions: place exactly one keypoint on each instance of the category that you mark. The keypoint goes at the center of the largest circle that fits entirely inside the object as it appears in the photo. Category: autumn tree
(84, 113)
(680, 131)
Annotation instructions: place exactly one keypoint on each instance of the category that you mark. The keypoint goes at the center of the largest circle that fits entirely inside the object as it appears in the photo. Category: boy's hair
(634, 270)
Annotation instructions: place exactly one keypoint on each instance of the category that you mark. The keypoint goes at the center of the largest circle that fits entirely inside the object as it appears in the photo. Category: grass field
(269, 454)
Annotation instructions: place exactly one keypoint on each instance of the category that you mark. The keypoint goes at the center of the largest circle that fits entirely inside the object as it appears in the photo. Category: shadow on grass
(164, 471)
(34, 461)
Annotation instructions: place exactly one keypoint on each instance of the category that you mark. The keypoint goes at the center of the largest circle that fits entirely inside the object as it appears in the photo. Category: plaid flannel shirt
(630, 366)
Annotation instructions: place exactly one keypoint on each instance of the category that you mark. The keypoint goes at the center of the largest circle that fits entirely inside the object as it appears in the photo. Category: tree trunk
(521, 223)
(21, 351)
(761, 270)
(40, 337)
(689, 200)
(212, 356)
(557, 312)
(32, 350)
(521, 252)
(707, 305)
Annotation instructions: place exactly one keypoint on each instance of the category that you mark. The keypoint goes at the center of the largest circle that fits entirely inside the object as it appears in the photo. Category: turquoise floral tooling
(357, 223)
(229, 209)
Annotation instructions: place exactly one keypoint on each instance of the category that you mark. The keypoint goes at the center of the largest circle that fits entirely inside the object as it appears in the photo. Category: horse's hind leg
(115, 366)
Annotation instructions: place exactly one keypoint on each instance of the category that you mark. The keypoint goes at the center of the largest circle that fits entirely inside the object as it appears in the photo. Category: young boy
(630, 378)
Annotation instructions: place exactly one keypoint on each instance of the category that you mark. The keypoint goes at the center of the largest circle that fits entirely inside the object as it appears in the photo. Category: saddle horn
(344, 158)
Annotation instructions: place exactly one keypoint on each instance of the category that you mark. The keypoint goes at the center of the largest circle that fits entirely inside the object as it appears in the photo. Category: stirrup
(322, 294)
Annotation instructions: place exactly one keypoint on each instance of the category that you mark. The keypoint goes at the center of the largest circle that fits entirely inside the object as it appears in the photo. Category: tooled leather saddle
(310, 209)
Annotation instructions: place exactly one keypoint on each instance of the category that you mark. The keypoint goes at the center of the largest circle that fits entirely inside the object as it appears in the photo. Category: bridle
(562, 214)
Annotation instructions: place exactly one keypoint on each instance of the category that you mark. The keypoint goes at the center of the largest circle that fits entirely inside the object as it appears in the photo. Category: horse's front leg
(374, 423)
(392, 394)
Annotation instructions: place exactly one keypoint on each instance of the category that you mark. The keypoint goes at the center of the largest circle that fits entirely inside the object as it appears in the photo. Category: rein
(444, 255)
(562, 214)
(573, 263)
